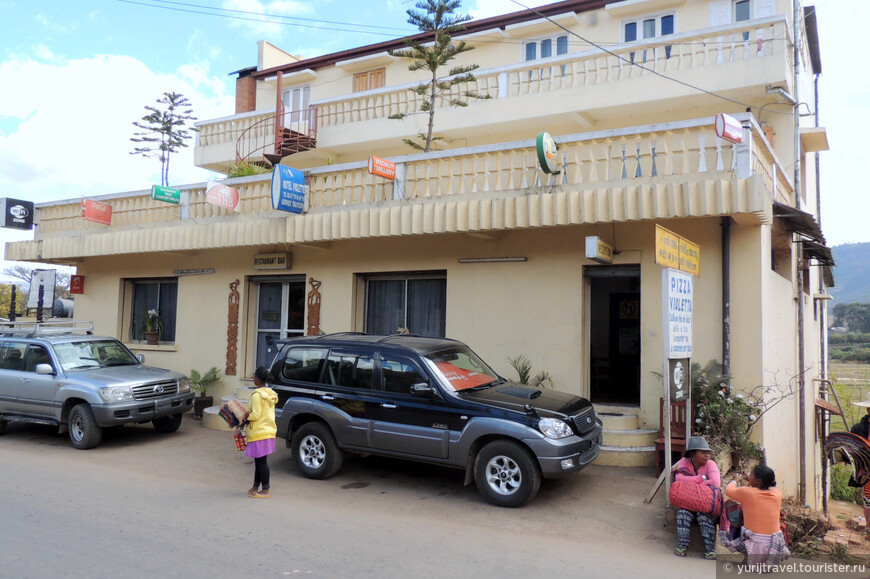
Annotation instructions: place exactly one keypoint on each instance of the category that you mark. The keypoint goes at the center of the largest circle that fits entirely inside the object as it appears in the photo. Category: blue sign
(289, 191)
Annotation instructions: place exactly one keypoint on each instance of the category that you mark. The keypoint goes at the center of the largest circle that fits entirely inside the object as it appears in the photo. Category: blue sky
(76, 74)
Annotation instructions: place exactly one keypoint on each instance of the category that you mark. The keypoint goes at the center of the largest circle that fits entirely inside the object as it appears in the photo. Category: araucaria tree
(431, 53)
(164, 130)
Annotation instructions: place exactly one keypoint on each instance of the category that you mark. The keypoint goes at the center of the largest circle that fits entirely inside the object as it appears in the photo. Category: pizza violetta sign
(222, 195)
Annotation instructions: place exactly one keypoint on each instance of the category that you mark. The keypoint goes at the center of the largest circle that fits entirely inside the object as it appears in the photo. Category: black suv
(431, 400)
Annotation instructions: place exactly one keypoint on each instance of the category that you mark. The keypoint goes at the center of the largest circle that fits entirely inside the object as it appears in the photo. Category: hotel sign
(17, 214)
(222, 195)
(272, 261)
(289, 191)
(96, 211)
(677, 252)
(166, 194)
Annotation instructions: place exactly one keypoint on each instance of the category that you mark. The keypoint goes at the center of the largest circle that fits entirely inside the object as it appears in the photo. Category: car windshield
(88, 354)
(460, 369)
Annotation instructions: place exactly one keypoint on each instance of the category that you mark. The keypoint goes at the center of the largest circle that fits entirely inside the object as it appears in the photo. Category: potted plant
(201, 383)
(153, 326)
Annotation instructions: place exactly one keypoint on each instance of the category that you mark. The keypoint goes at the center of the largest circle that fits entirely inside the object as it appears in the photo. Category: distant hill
(851, 274)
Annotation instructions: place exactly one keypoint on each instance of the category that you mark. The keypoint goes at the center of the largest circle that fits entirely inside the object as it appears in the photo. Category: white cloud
(258, 19)
(488, 8)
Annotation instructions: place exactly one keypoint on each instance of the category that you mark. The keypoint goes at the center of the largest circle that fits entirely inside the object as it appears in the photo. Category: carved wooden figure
(232, 328)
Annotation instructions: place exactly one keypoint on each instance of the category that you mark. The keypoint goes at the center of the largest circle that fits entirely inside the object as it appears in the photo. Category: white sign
(728, 128)
(678, 294)
(41, 278)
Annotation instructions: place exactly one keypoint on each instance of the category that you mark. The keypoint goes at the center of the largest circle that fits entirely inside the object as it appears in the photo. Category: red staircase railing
(294, 132)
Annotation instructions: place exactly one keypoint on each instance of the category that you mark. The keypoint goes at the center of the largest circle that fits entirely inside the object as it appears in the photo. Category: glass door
(280, 314)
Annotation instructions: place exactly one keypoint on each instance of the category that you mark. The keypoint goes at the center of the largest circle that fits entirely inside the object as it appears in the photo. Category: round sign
(546, 149)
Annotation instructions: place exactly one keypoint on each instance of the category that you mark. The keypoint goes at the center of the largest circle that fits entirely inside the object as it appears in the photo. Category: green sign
(159, 193)
(545, 146)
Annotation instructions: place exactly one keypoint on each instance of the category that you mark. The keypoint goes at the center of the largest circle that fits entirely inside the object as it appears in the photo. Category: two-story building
(475, 241)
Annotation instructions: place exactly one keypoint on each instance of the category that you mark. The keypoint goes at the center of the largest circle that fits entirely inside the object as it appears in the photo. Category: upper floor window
(741, 10)
(648, 27)
(296, 100)
(369, 80)
(546, 47)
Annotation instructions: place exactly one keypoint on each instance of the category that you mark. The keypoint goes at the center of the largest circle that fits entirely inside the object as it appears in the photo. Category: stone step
(640, 456)
(212, 419)
(641, 437)
(243, 393)
(618, 421)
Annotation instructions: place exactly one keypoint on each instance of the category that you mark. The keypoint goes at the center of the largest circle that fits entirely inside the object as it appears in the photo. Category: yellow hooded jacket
(261, 417)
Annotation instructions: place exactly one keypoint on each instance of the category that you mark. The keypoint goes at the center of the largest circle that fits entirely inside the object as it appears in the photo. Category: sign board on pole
(44, 278)
(728, 128)
(17, 214)
(678, 300)
(679, 379)
(166, 194)
(546, 148)
(598, 250)
(382, 167)
(289, 191)
(96, 211)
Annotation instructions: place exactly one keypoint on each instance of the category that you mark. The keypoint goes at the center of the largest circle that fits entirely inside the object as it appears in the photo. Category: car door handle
(327, 397)
(387, 405)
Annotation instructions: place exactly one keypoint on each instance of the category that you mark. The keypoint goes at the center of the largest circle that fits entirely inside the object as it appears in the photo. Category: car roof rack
(39, 329)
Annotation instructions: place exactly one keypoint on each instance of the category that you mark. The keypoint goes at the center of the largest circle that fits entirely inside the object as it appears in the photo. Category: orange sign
(77, 284)
(96, 211)
(382, 167)
(222, 196)
(460, 378)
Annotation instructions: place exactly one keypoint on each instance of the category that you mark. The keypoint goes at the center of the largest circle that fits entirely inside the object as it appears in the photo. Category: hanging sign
(77, 284)
(289, 191)
(677, 252)
(166, 194)
(545, 146)
(272, 261)
(96, 211)
(728, 128)
(382, 167)
(17, 214)
(598, 250)
(222, 195)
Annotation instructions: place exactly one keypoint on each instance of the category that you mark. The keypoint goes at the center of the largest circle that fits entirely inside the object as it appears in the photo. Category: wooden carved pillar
(313, 308)
(232, 328)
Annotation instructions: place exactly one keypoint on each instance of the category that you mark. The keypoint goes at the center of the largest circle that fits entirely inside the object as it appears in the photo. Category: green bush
(840, 489)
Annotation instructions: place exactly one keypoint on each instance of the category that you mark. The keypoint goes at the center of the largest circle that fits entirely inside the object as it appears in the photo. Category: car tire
(315, 451)
(3, 426)
(507, 474)
(84, 432)
(167, 424)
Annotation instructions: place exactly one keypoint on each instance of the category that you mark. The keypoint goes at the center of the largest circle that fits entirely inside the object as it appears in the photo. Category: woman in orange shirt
(761, 538)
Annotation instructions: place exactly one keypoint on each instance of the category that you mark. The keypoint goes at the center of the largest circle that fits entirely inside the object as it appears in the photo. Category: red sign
(96, 211)
(77, 284)
(729, 128)
(461, 378)
(222, 196)
(382, 167)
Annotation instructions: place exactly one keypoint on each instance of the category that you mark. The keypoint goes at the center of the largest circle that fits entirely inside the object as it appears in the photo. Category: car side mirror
(44, 369)
(141, 358)
(422, 389)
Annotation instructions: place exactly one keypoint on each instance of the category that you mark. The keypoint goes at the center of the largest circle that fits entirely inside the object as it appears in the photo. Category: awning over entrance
(803, 223)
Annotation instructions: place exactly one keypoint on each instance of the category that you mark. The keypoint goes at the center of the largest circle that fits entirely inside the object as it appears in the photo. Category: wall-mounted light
(491, 259)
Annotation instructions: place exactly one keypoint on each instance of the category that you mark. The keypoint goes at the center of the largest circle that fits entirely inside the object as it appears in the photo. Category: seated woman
(696, 467)
(761, 538)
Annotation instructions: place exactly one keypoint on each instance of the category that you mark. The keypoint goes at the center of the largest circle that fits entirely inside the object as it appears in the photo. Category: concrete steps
(624, 442)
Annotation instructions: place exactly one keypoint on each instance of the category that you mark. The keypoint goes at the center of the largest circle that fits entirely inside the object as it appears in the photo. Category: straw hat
(865, 402)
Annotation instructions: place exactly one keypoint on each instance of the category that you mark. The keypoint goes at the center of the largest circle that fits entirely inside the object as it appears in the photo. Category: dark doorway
(614, 337)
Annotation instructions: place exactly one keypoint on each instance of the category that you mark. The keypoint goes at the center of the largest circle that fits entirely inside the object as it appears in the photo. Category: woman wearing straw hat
(862, 428)
(696, 466)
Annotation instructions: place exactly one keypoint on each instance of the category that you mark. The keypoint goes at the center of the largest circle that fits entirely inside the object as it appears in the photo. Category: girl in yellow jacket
(261, 431)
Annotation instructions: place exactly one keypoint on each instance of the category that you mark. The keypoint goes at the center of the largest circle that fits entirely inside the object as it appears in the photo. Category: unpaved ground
(149, 505)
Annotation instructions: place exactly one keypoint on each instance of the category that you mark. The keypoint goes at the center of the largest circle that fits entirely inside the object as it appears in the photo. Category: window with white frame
(545, 47)
(296, 101)
(649, 27)
(158, 295)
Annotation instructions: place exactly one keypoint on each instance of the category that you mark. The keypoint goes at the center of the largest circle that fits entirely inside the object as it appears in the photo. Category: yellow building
(475, 241)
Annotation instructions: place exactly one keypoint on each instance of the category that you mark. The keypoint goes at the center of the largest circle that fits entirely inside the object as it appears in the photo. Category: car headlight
(116, 393)
(183, 384)
(554, 428)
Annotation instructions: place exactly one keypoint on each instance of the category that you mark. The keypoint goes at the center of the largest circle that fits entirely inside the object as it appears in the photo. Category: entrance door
(280, 314)
(614, 337)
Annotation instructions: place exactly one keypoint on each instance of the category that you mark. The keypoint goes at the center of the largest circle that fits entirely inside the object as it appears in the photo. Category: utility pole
(797, 25)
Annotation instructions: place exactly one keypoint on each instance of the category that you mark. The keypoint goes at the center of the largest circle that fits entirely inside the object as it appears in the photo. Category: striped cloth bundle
(233, 412)
(845, 447)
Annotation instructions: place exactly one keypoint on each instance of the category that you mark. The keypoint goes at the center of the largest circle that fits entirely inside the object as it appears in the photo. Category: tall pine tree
(164, 130)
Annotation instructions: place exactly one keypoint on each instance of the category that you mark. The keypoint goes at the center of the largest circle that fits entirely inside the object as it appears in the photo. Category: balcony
(575, 92)
(670, 170)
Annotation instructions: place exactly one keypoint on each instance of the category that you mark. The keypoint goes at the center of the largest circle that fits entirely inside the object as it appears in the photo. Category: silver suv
(59, 373)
